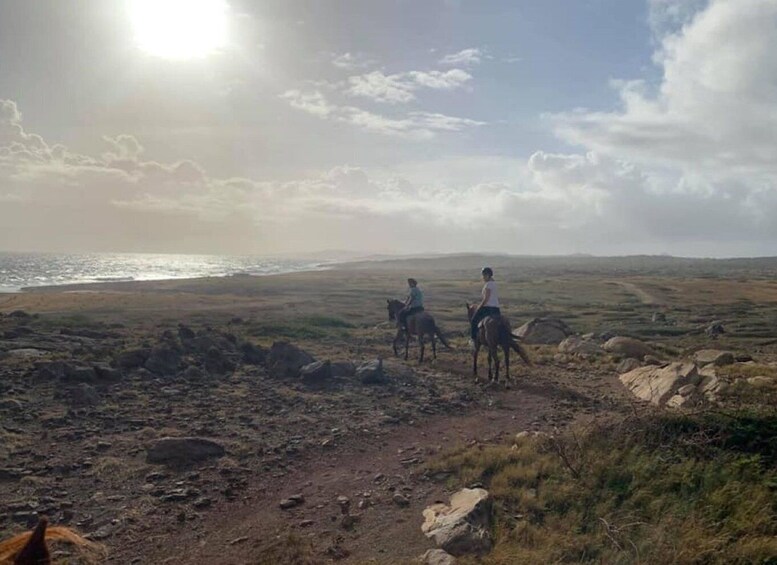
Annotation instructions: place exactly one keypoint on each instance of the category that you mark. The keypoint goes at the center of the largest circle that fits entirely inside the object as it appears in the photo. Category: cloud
(350, 61)
(400, 87)
(713, 114)
(413, 125)
(471, 56)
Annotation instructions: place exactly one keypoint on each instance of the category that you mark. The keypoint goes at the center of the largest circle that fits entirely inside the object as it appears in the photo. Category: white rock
(461, 527)
(658, 384)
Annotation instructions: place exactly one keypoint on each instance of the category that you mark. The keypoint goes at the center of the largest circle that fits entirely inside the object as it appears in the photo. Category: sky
(608, 127)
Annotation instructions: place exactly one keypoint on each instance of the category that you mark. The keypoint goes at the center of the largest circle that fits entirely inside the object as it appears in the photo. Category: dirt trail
(373, 469)
(644, 296)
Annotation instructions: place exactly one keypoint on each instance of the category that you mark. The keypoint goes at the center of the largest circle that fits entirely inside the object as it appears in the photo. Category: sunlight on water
(19, 270)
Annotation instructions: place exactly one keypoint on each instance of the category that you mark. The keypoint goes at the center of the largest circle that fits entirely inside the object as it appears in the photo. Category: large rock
(253, 354)
(371, 373)
(218, 363)
(547, 331)
(438, 557)
(658, 384)
(628, 364)
(286, 360)
(576, 345)
(182, 450)
(713, 357)
(163, 361)
(462, 527)
(316, 372)
(343, 369)
(132, 358)
(628, 347)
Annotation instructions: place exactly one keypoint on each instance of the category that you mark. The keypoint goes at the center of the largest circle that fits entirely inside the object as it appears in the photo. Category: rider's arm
(486, 296)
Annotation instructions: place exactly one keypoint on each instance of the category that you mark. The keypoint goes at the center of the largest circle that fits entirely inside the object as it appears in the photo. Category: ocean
(20, 270)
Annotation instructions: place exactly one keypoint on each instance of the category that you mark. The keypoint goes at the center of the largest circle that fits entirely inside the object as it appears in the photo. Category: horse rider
(414, 303)
(489, 304)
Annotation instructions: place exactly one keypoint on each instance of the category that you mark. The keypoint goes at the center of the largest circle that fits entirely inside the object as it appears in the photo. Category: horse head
(470, 310)
(393, 306)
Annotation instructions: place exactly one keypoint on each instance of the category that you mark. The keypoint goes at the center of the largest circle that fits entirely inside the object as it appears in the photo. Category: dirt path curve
(371, 471)
(644, 296)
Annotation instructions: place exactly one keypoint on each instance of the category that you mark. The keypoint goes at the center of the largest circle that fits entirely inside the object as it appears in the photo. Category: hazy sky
(598, 126)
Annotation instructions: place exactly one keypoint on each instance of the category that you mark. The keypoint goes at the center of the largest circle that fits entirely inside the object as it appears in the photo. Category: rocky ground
(84, 409)
(280, 427)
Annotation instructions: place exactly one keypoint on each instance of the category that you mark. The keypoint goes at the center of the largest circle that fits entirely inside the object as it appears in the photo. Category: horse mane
(29, 548)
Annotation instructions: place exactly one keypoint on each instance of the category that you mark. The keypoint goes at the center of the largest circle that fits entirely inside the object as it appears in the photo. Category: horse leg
(490, 362)
(506, 349)
(434, 347)
(421, 346)
(495, 353)
(475, 361)
(394, 343)
(407, 343)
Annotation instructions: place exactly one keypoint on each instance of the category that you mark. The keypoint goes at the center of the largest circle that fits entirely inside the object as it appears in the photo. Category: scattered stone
(185, 332)
(438, 557)
(286, 360)
(343, 369)
(216, 362)
(132, 358)
(462, 527)
(658, 317)
(658, 384)
(27, 353)
(760, 380)
(19, 315)
(371, 373)
(544, 331)
(84, 395)
(715, 329)
(183, 450)
(576, 345)
(628, 347)
(202, 502)
(163, 361)
(400, 500)
(713, 357)
(11, 405)
(193, 373)
(316, 372)
(292, 502)
(253, 354)
(74, 374)
(106, 373)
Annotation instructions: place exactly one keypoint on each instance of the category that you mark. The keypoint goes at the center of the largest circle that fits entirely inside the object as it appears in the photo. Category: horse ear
(388, 301)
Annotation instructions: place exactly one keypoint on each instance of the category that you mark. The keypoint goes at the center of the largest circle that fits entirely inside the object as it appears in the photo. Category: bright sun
(179, 29)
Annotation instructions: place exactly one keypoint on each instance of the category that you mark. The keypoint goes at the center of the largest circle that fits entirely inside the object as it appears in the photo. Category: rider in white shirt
(489, 304)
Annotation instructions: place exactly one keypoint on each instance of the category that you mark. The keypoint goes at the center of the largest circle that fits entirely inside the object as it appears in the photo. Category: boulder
(218, 363)
(343, 369)
(547, 331)
(371, 373)
(83, 396)
(132, 358)
(658, 317)
(106, 373)
(286, 360)
(658, 384)
(182, 450)
(316, 372)
(628, 364)
(163, 361)
(185, 332)
(715, 329)
(50, 370)
(438, 557)
(253, 354)
(578, 346)
(79, 374)
(713, 357)
(461, 527)
(19, 315)
(193, 373)
(628, 347)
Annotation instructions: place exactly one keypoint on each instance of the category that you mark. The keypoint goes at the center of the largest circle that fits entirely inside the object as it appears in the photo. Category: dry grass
(664, 489)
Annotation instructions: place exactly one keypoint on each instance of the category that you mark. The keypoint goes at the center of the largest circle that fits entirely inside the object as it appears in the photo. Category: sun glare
(179, 29)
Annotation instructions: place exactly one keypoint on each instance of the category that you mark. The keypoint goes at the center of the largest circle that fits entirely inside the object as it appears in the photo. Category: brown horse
(421, 324)
(495, 332)
(30, 548)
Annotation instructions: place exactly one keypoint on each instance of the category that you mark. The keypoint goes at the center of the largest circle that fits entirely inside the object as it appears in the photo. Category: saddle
(482, 322)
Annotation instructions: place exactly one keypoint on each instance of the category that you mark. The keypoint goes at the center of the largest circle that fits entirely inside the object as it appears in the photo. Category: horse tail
(518, 348)
(438, 333)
